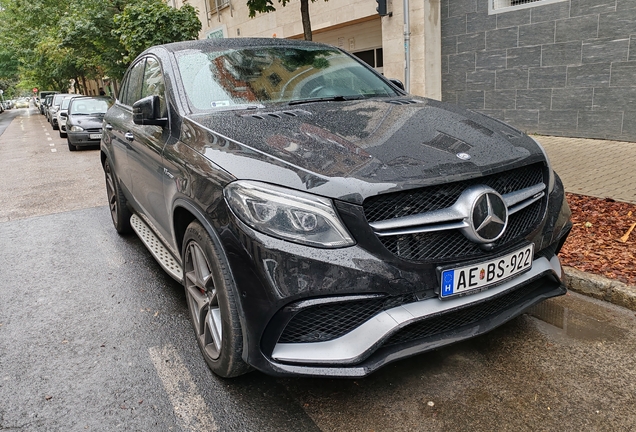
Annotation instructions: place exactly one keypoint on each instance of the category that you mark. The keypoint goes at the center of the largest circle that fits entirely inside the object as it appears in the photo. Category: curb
(600, 288)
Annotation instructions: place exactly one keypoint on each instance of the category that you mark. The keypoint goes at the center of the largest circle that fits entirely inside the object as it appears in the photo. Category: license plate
(95, 136)
(477, 277)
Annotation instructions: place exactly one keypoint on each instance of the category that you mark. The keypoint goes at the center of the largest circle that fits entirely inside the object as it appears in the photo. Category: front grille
(96, 130)
(446, 245)
(451, 244)
(326, 322)
(467, 316)
(399, 204)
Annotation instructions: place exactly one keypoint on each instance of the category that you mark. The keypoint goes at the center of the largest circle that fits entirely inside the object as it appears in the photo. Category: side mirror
(397, 83)
(146, 111)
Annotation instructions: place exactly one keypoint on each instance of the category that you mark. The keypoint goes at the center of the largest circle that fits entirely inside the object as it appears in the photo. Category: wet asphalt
(95, 336)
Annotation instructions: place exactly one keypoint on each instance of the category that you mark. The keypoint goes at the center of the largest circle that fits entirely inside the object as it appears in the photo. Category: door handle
(109, 126)
(129, 136)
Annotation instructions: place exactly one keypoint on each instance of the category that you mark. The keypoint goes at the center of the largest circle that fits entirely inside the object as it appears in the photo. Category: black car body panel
(323, 148)
(350, 153)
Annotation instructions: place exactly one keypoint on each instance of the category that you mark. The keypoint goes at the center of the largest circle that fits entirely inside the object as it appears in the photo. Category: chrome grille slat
(422, 225)
(453, 217)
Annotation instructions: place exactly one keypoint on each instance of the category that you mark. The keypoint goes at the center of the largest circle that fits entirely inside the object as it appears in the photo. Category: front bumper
(82, 139)
(277, 280)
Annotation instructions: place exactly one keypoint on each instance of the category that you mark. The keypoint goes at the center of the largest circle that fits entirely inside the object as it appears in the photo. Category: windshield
(57, 99)
(89, 106)
(65, 103)
(252, 76)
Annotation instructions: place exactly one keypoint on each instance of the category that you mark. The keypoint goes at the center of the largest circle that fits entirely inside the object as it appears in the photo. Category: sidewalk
(603, 169)
(598, 168)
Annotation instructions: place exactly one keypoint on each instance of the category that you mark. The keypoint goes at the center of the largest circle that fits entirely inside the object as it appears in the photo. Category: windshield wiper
(325, 99)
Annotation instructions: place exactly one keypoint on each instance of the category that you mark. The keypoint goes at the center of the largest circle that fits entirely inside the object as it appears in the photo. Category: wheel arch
(102, 157)
(184, 213)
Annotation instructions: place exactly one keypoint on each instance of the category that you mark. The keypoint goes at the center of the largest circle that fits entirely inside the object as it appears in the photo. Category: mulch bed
(598, 242)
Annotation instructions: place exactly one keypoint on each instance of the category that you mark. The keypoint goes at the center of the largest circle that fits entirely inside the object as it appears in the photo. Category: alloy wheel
(203, 301)
(112, 194)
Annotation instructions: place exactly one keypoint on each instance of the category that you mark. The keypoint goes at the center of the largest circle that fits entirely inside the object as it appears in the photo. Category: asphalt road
(6, 118)
(94, 336)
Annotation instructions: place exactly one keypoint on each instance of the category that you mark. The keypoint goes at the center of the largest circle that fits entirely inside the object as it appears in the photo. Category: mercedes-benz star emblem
(489, 217)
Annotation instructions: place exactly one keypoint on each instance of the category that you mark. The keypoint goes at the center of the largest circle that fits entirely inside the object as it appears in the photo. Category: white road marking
(189, 406)
(53, 150)
(52, 144)
(50, 139)
(46, 133)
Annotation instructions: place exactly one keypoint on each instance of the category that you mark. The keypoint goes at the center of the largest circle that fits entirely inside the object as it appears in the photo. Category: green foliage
(263, 6)
(48, 43)
(8, 64)
(152, 22)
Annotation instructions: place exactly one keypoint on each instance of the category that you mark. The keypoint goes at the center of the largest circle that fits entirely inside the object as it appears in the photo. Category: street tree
(53, 42)
(88, 30)
(265, 6)
(145, 23)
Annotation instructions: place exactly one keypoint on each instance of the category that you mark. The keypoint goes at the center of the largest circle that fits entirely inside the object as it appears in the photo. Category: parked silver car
(62, 114)
(55, 107)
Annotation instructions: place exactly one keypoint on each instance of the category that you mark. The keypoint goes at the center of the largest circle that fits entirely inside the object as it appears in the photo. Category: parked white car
(62, 114)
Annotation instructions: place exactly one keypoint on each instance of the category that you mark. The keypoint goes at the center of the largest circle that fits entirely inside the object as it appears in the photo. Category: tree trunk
(85, 91)
(304, 12)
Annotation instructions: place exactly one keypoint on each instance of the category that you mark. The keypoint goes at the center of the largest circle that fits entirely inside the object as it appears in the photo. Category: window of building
(372, 57)
(496, 6)
(217, 5)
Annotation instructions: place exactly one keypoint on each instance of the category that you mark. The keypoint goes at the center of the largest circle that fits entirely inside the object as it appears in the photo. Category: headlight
(291, 215)
(550, 170)
(76, 129)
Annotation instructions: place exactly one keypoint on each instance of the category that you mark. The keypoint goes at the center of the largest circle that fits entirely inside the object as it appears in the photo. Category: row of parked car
(78, 118)
(7, 104)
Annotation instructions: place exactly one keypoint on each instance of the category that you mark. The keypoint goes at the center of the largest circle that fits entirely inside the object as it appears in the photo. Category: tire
(55, 126)
(62, 134)
(71, 147)
(210, 294)
(119, 212)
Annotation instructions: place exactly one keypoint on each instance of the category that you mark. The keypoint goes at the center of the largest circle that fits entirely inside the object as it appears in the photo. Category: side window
(122, 89)
(153, 83)
(132, 91)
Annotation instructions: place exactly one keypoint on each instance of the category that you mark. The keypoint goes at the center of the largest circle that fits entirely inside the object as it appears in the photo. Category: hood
(352, 150)
(87, 121)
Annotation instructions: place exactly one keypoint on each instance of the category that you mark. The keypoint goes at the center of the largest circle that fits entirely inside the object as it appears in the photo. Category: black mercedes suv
(322, 221)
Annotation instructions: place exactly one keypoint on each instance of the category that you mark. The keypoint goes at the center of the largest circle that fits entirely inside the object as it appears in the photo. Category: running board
(156, 248)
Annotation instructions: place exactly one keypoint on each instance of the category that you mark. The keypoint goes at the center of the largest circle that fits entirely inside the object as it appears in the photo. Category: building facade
(564, 68)
(554, 67)
(353, 25)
